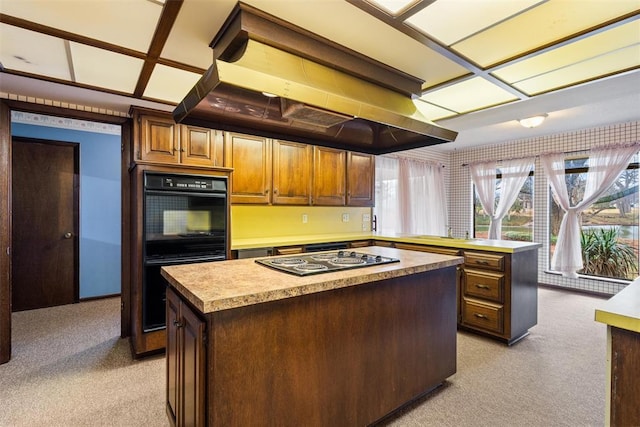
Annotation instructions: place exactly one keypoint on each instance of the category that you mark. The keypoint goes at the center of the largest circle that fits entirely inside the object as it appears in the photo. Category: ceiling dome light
(531, 122)
(270, 95)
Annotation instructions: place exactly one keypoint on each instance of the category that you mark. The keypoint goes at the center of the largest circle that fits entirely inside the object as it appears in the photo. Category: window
(609, 228)
(517, 224)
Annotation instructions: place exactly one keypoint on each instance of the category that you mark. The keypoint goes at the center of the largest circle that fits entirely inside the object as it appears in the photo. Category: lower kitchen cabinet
(500, 293)
(186, 364)
(497, 292)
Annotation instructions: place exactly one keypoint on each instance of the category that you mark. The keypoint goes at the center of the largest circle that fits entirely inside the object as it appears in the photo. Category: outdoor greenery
(604, 255)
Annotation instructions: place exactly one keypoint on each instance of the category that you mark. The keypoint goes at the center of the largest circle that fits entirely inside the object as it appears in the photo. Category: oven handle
(218, 194)
(189, 260)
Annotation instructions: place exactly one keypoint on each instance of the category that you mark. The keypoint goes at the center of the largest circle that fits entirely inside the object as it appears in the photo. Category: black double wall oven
(185, 221)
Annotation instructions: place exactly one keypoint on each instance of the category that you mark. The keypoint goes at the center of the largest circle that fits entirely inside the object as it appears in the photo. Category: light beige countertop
(222, 285)
(505, 246)
(623, 309)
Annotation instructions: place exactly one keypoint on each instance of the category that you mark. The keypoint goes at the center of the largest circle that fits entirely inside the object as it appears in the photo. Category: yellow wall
(251, 221)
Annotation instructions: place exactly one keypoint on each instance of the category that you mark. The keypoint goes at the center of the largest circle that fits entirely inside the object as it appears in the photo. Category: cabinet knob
(177, 324)
(68, 235)
(275, 191)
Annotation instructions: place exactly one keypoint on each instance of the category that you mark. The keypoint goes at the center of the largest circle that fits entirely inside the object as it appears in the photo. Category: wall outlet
(366, 217)
(305, 218)
(345, 217)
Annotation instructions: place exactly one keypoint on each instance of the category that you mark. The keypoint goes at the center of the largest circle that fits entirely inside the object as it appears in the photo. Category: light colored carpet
(70, 368)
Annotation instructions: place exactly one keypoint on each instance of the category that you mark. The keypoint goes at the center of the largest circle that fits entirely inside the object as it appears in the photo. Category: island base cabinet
(344, 357)
(185, 359)
(624, 348)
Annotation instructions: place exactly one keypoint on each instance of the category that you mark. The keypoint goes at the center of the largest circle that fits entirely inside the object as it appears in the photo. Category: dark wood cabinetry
(185, 363)
(497, 292)
(360, 179)
(158, 139)
(250, 157)
(144, 341)
(325, 358)
(292, 163)
(500, 293)
(329, 176)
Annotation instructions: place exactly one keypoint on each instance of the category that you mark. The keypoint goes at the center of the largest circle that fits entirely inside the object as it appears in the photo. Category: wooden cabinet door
(329, 181)
(193, 369)
(173, 373)
(186, 364)
(160, 140)
(292, 163)
(360, 179)
(250, 158)
(198, 146)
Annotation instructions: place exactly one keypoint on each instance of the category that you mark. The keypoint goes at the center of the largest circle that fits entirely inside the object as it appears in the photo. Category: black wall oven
(185, 221)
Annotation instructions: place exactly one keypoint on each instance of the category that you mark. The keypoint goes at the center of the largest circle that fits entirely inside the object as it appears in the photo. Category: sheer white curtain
(483, 175)
(605, 165)
(387, 202)
(514, 174)
(410, 197)
(422, 198)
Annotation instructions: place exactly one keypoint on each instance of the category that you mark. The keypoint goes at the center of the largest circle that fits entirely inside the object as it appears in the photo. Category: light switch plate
(345, 217)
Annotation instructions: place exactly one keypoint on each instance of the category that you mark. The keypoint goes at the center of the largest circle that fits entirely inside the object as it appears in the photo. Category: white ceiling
(580, 64)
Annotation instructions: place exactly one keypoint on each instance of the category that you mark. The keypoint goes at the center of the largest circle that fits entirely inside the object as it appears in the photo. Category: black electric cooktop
(324, 262)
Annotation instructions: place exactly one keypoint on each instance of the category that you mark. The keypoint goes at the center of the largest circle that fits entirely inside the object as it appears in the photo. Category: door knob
(68, 235)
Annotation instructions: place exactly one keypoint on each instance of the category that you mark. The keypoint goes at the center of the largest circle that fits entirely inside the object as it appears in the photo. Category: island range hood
(273, 79)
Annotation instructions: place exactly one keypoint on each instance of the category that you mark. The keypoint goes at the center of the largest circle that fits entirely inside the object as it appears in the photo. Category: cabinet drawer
(482, 284)
(481, 315)
(484, 260)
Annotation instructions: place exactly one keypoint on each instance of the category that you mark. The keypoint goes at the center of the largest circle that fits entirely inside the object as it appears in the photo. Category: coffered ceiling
(484, 63)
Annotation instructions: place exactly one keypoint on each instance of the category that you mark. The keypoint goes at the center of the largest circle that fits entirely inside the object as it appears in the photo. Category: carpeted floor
(70, 368)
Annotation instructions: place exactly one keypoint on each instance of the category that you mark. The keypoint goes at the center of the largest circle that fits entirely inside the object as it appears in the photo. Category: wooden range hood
(277, 80)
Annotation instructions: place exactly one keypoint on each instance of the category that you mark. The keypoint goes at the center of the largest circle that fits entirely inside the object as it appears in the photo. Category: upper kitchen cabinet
(292, 165)
(329, 178)
(360, 179)
(250, 158)
(158, 139)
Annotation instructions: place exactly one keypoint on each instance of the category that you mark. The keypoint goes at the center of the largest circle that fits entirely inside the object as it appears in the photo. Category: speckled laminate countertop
(222, 285)
(623, 309)
(505, 246)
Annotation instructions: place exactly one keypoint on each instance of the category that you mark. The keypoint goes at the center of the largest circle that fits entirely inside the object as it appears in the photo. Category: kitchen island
(249, 345)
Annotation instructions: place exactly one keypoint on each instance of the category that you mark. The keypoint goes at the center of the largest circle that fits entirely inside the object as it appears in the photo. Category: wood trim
(5, 233)
(125, 230)
(167, 18)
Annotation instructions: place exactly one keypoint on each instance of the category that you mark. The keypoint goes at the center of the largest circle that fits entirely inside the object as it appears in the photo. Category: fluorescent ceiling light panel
(125, 23)
(623, 59)
(46, 54)
(582, 50)
(469, 95)
(105, 69)
(469, 16)
(392, 6)
(432, 112)
(170, 84)
(549, 22)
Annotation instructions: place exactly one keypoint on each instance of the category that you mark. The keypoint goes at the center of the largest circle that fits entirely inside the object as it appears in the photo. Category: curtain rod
(563, 152)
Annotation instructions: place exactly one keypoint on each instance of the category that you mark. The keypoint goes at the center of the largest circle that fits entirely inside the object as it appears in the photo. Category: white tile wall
(460, 189)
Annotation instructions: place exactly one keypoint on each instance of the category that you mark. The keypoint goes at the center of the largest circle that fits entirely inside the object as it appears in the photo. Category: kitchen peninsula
(249, 345)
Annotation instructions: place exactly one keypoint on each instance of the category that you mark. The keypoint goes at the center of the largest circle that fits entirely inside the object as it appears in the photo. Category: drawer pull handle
(480, 316)
(482, 262)
(481, 286)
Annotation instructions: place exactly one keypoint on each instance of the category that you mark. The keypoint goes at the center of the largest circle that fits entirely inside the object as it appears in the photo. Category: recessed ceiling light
(534, 121)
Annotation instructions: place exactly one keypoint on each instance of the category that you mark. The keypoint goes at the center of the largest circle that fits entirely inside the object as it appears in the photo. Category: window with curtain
(410, 197)
(518, 222)
(503, 207)
(608, 228)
